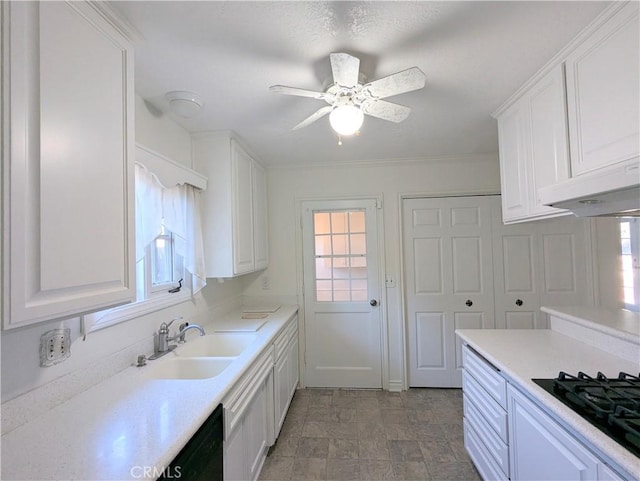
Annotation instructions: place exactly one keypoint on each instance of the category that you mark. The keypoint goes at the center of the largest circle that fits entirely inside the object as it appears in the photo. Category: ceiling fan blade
(398, 83)
(281, 89)
(345, 69)
(386, 110)
(314, 116)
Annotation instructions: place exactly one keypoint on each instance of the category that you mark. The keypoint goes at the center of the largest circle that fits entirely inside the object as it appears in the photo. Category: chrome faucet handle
(182, 327)
(164, 327)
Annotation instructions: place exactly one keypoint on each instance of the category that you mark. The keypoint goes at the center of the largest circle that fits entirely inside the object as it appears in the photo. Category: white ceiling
(474, 54)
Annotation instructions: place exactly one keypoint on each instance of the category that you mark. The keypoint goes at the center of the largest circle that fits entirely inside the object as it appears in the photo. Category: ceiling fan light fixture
(184, 104)
(346, 119)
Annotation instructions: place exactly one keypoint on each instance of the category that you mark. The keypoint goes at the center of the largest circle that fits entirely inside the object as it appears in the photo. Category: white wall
(158, 132)
(21, 371)
(287, 186)
(608, 262)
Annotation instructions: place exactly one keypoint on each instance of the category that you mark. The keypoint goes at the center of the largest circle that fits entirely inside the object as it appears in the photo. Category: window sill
(100, 320)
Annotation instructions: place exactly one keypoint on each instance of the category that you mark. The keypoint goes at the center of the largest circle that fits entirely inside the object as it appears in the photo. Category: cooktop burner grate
(611, 404)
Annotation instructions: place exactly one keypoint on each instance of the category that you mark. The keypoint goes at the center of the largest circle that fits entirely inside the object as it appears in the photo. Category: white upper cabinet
(578, 115)
(533, 148)
(260, 227)
(514, 159)
(603, 95)
(234, 206)
(549, 162)
(68, 149)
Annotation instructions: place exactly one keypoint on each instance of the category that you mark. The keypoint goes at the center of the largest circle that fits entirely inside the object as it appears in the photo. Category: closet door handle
(519, 302)
(469, 303)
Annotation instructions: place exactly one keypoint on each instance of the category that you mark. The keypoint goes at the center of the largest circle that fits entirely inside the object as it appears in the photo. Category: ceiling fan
(350, 100)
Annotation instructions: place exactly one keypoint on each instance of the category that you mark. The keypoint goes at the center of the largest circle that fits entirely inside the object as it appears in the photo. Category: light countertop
(619, 323)
(525, 354)
(127, 422)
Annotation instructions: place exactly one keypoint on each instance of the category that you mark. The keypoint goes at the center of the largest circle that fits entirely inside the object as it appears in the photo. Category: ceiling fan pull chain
(339, 139)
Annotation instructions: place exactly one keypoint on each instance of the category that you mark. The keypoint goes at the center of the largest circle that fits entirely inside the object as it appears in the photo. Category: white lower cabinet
(541, 449)
(247, 421)
(255, 408)
(485, 418)
(508, 436)
(285, 374)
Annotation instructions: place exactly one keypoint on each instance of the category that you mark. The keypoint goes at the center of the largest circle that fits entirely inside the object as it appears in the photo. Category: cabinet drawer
(486, 375)
(236, 401)
(483, 461)
(283, 340)
(495, 445)
(488, 408)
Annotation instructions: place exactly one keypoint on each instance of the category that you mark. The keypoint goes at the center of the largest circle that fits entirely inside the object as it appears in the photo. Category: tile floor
(332, 434)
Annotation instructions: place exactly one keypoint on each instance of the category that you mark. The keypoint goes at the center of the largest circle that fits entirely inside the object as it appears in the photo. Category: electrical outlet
(265, 282)
(55, 346)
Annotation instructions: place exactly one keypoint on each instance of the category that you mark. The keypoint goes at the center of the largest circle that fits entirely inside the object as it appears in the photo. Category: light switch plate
(55, 346)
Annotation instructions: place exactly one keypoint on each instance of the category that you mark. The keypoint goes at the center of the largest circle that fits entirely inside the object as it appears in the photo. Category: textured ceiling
(474, 54)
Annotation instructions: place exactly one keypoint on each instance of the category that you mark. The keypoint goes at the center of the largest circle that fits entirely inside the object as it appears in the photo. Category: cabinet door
(281, 390)
(68, 162)
(605, 473)
(294, 368)
(548, 133)
(603, 94)
(514, 157)
(243, 260)
(256, 432)
(234, 457)
(260, 229)
(534, 436)
(286, 375)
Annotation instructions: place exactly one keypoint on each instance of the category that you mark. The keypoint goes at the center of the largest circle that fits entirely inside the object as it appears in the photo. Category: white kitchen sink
(189, 368)
(217, 345)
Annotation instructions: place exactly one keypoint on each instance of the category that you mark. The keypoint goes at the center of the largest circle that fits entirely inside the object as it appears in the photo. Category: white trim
(396, 386)
(389, 162)
(136, 309)
(169, 172)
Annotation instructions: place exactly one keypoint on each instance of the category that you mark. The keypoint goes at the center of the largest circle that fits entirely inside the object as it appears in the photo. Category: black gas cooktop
(610, 404)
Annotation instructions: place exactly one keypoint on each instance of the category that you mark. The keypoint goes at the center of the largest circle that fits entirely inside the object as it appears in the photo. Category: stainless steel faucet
(164, 339)
(182, 331)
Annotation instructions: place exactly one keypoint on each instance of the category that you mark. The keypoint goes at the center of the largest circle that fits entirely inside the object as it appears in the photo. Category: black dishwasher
(201, 458)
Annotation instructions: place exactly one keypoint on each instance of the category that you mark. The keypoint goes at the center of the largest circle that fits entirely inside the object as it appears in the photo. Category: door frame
(384, 341)
(400, 281)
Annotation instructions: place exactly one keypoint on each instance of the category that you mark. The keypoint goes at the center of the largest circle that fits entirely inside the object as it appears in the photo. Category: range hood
(615, 192)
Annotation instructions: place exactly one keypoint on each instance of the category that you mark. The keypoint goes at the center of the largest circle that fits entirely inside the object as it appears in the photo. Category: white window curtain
(181, 208)
(178, 207)
(148, 193)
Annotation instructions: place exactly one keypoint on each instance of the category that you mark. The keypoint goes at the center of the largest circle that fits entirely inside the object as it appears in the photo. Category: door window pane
(356, 221)
(321, 223)
(340, 251)
(339, 222)
(358, 244)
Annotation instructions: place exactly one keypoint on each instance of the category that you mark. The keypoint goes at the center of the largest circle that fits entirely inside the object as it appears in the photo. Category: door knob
(469, 303)
(519, 302)
(373, 302)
